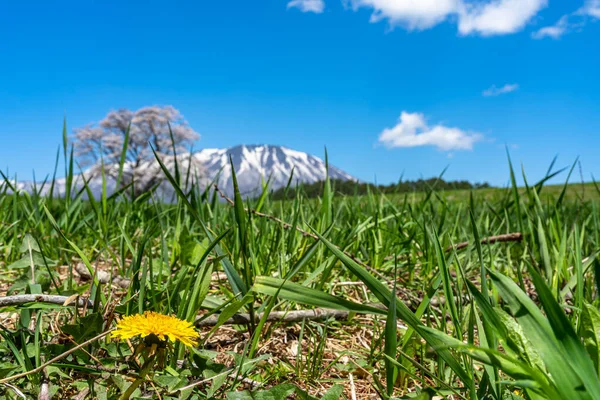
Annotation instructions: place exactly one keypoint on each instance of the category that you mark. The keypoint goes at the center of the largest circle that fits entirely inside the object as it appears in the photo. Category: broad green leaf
(305, 295)
(516, 369)
(568, 339)
(538, 330)
(589, 330)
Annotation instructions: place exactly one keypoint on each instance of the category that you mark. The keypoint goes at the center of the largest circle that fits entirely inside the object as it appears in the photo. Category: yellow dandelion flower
(154, 324)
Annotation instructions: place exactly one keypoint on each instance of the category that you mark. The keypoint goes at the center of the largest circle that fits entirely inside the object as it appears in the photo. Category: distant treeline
(361, 188)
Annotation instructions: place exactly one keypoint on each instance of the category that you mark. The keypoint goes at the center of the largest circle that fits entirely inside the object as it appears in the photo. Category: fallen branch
(278, 316)
(20, 299)
(232, 373)
(507, 237)
(82, 394)
(16, 390)
(102, 276)
(55, 359)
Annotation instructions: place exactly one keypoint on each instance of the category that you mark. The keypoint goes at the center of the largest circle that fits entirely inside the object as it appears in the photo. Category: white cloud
(409, 14)
(484, 17)
(315, 6)
(496, 91)
(591, 8)
(570, 22)
(412, 131)
(554, 31)
(498, 17)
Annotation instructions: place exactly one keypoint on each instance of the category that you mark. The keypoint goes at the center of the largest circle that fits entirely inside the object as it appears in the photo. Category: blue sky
(391, 87)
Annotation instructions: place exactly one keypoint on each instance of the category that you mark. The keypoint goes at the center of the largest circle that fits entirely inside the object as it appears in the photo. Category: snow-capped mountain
(253, 164)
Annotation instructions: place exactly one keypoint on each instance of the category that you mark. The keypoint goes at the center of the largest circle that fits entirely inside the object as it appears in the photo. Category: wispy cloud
(492, 17)
(315, 6)
(553, 31)
(591, 8)
(496, 91)
(412, 130)
(498, 17)
(570, 22)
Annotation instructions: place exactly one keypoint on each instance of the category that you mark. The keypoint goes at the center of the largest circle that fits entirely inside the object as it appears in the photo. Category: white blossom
(161, 128)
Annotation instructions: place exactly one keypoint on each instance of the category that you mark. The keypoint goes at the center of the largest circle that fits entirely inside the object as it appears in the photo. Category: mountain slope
(252, 163)
(256, 162)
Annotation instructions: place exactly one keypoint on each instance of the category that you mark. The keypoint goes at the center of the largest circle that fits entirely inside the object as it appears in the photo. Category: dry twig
(20, 299)
(276, 316)
(55, 359)
(507, 237)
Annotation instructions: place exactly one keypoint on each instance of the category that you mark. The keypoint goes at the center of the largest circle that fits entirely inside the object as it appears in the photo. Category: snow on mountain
(252, 163)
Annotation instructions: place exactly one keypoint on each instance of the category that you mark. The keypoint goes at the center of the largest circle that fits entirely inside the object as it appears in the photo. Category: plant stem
(146, 368)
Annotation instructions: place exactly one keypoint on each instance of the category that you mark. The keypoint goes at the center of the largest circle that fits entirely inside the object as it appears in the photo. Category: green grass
(500, 321)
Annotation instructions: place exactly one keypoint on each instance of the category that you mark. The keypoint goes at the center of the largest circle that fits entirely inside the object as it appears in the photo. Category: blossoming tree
(100, 145)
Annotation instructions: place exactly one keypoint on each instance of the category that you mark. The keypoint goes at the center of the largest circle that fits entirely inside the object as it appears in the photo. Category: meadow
(490, 293)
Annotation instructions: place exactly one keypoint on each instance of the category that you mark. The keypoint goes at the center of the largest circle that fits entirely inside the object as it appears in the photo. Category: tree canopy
(162, 128)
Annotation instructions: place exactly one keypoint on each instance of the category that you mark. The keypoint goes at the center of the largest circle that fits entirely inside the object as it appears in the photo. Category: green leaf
(589, 328)
(169, 382)
(22, 282)
(29, 244)
(231, 310)
(391, 343)
(538, 330)
(238, 205)
(565, 333)
(326, 206)
(25, 261)
(477, 240)
(263, 195)
(518, 342)
(85, 328)
(334, 393)
(305, 295)
(445, 271)
(511, 366)
(544, 251)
